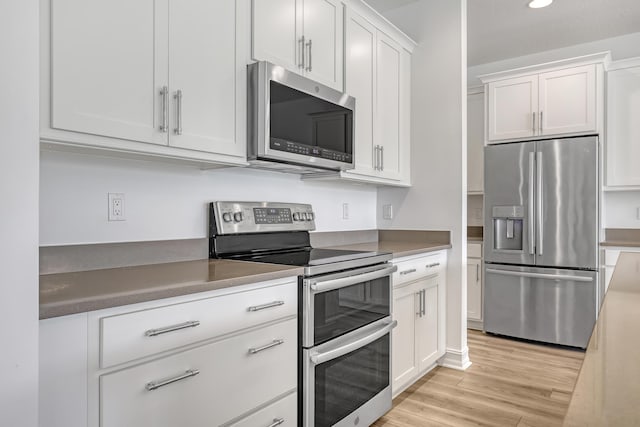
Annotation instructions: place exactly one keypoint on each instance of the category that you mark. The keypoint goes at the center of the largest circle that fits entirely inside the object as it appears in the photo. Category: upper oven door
(298, 120)
(339, 303)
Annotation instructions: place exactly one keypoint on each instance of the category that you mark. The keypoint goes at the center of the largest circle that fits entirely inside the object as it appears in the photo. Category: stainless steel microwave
(296, 124)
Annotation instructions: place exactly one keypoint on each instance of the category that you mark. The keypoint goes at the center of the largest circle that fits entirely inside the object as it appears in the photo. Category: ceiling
(501, 29)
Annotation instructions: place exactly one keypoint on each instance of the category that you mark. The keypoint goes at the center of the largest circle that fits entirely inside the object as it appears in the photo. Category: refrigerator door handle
(540, 275)
(531, 215)
(540, 207)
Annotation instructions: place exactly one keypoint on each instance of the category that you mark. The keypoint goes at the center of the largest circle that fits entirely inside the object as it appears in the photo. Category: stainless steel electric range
(344, 305)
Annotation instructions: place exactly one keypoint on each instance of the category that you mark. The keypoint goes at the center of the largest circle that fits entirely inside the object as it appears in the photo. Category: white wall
(19, 218)
(437, 200)
(621, 209)
(474, 210)
(165, 202)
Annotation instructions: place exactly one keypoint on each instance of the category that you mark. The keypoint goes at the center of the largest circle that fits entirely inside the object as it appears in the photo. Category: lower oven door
(346, 381)
(339, 303)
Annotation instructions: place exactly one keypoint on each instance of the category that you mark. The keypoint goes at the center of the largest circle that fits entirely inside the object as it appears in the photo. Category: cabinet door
(108, 66)
(474, 289)
(475, 143)
(623, 127)
(207, 66)
(360, 83)
(389, 89)
(405, 311)
(277, 32)
(567, 101)
(511, 107)
(427, 338)
(323, 28)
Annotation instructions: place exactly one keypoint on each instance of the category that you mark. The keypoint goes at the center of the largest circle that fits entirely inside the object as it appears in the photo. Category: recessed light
(537, 4)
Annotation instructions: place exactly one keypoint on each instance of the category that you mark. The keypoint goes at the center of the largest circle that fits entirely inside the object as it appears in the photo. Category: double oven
(344, 304)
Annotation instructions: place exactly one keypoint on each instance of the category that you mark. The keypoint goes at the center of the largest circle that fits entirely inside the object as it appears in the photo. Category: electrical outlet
(116, 207)
(345, 211)
(387, 211)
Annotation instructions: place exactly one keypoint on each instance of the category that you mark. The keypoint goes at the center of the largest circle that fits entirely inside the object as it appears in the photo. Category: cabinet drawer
(134, 335)
(230, 382)
(413, 268)
(474, 250)
(284, 410)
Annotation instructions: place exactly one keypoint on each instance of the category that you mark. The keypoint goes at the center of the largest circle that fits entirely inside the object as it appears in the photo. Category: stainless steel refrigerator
(541, 218)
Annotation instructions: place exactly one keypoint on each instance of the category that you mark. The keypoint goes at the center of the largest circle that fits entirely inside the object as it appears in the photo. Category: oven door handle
(358, 342)
(329, 285)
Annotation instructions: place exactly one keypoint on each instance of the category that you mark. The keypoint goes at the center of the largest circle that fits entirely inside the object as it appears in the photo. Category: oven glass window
(346, 309)
(303, 124)
(348, 382)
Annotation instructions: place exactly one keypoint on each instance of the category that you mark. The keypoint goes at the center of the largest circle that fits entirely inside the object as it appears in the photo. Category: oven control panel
(260, 217)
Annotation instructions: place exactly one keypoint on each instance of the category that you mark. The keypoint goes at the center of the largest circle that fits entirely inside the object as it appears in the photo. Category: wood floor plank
(511, 383)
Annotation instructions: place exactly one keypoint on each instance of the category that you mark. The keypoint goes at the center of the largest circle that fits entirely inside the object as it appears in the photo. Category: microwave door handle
(359, 342)
(329, 285)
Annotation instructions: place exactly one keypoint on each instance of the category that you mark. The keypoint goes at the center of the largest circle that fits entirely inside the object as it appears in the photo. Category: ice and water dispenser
(507, 228)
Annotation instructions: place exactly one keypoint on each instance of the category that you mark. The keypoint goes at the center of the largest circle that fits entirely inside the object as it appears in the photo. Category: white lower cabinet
(474, 286)
(239, 373)
(419, 308)
(230, 368)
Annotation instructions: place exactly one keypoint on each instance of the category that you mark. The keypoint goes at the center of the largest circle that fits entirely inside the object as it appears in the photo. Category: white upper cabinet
(623, 126)
(560, 98)
(207, 77)
(107, 68)
(171, 75)
(304, 36)
(361, 84)
(567, 100)
(512, 107)
(475, 142)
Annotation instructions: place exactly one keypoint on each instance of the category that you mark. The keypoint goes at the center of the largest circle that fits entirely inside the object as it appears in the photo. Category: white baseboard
(456, 359)
(475, 324)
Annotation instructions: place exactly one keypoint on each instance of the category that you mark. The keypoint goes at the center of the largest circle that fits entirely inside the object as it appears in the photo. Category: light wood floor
(510, 383)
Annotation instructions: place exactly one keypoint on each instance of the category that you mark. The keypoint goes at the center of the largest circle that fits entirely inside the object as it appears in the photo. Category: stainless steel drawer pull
(309, 45)
(435, 264)
(412, 270)
(154, 385)
(276, 422)
(265, 306)
(160, 331)
(265, 347)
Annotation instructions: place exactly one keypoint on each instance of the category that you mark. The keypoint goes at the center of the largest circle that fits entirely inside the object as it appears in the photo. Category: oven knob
(296, 216)
(303, 216)
(237, 217)
(226, 217)
(310, 216)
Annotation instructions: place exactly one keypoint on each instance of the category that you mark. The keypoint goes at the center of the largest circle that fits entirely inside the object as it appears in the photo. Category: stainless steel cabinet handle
(477, 272)
(540, 244)
(419, 312)
(265, 306)
(276, 422)
(541, 124)
(412, 270)
(424, 302)
(265, 347)
(178, 97)
(540, 275)
(164, 92)
(435, 264)
(154, 385)
(166, 329)
(381, 158)
(302, 53)
(310, 47)
(376, 158)
(531, 215)
(534, 123)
